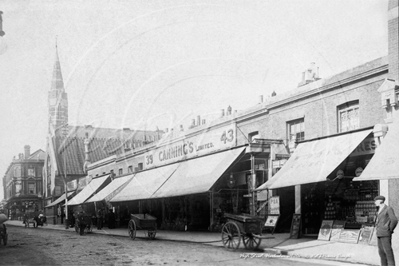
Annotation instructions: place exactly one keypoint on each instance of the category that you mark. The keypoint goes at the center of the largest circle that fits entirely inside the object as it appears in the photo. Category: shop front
(322, 172)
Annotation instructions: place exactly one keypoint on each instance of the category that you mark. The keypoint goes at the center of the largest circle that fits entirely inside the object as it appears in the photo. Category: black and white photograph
(199, 132)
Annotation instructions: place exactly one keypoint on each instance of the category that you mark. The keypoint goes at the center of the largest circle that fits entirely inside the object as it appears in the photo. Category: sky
(147, 64)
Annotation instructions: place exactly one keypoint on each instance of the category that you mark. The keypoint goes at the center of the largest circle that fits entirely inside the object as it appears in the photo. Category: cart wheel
(152, 233)
(132, 229)
(5, 240)
(231, 237)
(251, 242)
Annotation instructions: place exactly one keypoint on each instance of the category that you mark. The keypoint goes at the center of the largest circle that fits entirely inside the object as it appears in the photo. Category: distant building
(22, 183)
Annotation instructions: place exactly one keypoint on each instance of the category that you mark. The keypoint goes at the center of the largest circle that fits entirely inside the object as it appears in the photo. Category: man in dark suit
(385, 224)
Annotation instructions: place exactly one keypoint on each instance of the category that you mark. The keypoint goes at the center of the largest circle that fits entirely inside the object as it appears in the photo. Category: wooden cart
(143, 222)
(249, 228)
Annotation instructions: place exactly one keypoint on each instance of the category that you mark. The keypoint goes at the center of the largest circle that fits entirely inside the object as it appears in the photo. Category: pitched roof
(103, 142)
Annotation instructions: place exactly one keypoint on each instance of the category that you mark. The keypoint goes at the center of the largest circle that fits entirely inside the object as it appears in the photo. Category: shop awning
(111, 189)
(61, 199)
(88, 190)
(184, 178)
(145, 183)
(198, 175)
(314, 160)
(385, 162)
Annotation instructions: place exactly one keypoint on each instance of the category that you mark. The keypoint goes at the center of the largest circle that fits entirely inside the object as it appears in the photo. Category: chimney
(274, 93)
(87, 158)
(222, 113)
(21, 156)
(229, 110)
(198, 120)
(192, 123)
(27, 151)
(203, 121)
(261, 99)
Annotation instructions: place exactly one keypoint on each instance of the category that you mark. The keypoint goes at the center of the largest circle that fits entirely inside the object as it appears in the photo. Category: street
(38, 246)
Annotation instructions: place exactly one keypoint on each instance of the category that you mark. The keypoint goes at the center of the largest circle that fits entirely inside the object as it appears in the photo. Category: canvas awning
(314, 160)
(88, 190)
(60, 199)
(111, 189)
(145, 183)
(184, 178)
(385, 162)
(198, 175)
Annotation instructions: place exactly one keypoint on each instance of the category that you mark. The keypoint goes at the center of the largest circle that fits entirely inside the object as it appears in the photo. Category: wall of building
(319, 112)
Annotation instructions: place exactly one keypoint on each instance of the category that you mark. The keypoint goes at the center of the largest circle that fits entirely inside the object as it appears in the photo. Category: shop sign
(295, 225)
(325, 230)
(365, 234)
(271, 221)
(358, 171)
(274, 205)
(349, 236)
(367, 146)
(210, 141)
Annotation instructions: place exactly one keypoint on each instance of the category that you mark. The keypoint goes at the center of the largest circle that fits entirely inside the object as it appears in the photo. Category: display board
(365, 234)
(349, 236)
(337, 228)
(271, 221)
(295, 226)
(325, 230)
(274, 205)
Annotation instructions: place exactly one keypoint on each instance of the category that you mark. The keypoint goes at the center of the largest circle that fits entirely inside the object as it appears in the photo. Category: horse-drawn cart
(249, 228)
(144, 222)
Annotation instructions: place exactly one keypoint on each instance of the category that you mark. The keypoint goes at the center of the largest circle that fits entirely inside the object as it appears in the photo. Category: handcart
(29, 218)
(247, 227)
(85, 219)
(143, 222)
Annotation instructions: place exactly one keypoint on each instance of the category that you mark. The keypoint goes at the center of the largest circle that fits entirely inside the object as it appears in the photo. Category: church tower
(57, 98)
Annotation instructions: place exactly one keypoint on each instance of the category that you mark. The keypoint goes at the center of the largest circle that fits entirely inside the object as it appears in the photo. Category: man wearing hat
(385, 224)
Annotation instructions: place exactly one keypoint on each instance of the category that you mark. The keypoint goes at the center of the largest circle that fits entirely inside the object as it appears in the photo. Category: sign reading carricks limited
(204, 143)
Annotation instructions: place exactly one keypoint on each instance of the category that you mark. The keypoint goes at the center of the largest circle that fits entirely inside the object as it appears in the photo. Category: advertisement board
(216, 139)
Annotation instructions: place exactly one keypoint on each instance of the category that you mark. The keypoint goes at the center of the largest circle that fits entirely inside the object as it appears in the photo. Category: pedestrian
(100, 217)
(385, 224)
(82, 222)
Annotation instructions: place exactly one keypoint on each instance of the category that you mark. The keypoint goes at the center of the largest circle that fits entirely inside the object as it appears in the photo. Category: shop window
(296, 130)
(252, 136)
(130, 169)
(31, 188)
(120, 172)
(348, 116)
(31, 170)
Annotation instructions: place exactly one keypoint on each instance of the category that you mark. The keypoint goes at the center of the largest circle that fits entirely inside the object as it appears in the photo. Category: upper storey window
(348, 116)
(296, 130)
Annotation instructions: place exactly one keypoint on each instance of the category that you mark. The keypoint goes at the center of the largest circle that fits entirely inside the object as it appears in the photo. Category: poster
(365, 234)
(271, 221)
(274, 205)
(295, 225)
(325, 230)
(337, 228)
(349, 236)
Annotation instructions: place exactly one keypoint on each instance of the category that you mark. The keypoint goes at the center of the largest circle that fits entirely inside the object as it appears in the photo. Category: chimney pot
(222, 113)
(203, 121)
(181, 128)
(193, 123)
(229, 110)
(261, 99)
(198, 120)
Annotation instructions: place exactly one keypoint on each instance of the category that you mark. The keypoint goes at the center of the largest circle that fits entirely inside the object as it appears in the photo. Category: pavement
(277, 245)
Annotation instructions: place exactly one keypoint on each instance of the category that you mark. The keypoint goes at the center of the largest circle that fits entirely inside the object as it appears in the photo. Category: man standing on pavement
(100, 218)
(385, 224)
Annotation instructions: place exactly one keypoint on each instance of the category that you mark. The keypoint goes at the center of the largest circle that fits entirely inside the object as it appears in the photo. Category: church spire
(57, 97)
(57, 82)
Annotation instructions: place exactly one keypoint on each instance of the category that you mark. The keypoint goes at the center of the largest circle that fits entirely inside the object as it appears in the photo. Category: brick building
(22, 183)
